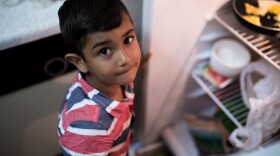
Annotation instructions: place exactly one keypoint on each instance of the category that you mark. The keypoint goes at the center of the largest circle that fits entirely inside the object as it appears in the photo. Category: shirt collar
(111, 106)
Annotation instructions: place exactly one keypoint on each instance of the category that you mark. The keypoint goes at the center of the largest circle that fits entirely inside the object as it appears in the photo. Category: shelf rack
(228, 99)
(267, 46)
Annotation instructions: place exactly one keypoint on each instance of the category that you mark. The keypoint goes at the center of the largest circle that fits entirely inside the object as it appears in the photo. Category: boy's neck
(114, 92)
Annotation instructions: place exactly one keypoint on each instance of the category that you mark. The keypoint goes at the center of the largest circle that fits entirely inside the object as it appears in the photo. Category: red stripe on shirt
(124, 148)
(76, 78)
(131, 84)
(125, 115)
(118, 109)
(94, 144)
(86, 144)
(85, 86)
(85, 113)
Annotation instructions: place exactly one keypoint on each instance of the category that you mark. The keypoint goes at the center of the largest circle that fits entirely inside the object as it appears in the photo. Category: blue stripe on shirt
(77, 95)
(123, 137)
(104, 122)
(102, 100)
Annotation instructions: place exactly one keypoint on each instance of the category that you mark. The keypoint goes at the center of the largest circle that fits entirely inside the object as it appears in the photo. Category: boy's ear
(77, 61)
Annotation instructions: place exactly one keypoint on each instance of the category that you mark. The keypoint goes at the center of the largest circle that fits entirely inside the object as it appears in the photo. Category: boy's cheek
(139, 59)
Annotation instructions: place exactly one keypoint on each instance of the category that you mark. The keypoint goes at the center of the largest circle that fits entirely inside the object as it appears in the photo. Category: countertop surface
(28, 21)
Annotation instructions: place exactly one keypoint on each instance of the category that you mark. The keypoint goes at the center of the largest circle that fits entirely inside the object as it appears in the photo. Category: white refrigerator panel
(175, 26)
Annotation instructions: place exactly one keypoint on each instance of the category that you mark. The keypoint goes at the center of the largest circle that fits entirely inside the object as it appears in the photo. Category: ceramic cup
(229, 57)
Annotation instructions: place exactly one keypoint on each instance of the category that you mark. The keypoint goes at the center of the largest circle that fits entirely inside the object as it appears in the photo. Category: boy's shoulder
(91, 112)
(87, 114)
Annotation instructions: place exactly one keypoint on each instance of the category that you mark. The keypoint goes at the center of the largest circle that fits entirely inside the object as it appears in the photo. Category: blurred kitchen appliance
(34, 79)
(32, 63)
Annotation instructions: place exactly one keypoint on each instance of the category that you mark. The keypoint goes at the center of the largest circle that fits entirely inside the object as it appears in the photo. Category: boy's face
(111, 57)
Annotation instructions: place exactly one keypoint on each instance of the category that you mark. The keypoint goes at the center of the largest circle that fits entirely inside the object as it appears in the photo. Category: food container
(229, 57)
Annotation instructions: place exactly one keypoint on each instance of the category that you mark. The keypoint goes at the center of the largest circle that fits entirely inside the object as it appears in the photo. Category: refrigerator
(180, 34)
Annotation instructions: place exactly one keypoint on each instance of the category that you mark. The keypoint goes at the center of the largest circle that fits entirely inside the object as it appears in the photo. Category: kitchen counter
(27, 22)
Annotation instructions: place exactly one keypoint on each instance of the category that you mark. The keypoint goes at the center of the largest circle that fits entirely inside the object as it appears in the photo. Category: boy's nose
(123, 57)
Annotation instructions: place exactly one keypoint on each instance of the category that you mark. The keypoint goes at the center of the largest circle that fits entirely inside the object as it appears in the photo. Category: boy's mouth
(125, 70)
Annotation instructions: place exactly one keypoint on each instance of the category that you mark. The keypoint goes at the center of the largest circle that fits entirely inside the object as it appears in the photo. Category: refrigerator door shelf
(228, 99)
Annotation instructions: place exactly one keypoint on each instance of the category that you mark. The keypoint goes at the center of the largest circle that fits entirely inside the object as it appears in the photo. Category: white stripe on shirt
(92, 132)
(60, 126)
(79, 154)
(92, 93)
(77, 84)
(82, 104)
(112, 106)
(129, 94)
(119, 146)
(125, 126)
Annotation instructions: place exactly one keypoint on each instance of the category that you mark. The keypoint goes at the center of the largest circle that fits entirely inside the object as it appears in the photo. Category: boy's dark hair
(77, 18)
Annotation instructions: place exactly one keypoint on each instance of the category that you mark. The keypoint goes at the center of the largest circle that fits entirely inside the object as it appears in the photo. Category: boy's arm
(82, 133)
(89, 136)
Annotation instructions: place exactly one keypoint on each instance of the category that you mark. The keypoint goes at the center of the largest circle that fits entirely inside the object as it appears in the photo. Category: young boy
(95, 117)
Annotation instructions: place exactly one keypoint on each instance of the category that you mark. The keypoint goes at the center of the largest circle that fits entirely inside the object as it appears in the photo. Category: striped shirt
(90, 123)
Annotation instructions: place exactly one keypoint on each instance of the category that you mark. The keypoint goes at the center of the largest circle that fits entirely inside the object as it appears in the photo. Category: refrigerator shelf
(228, 99)
(266, 46)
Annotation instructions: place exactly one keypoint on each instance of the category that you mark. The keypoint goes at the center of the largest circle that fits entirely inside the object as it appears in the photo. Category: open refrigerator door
(226, 100)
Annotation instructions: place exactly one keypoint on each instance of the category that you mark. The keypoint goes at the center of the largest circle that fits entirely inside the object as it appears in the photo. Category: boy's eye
(104, 52)
(128, 40)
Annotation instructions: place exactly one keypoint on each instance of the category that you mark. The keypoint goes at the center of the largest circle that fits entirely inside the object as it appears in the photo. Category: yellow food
(277, 24)
(277, 18)
(252, 19)
(253, 14)
(275, 9)
(250, 9)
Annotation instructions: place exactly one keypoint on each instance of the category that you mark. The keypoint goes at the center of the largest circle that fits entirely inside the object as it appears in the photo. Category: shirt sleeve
(82, 132)
(76, 144)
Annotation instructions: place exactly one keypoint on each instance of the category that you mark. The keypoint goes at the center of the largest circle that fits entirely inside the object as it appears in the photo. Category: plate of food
(263, 15)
